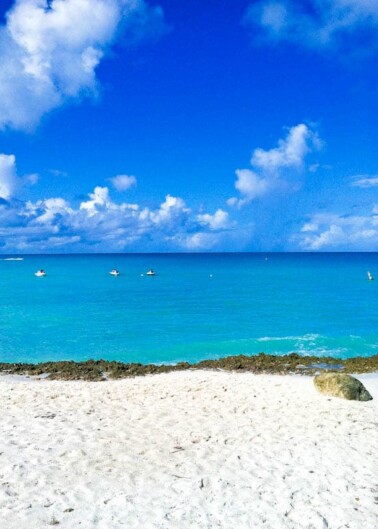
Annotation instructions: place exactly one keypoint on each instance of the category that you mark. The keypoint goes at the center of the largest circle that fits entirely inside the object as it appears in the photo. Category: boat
(40, 273)
(114, 272)
(150, 273)
(370, 277)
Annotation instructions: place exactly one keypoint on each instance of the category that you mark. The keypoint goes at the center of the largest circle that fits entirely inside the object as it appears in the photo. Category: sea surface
(197, 306)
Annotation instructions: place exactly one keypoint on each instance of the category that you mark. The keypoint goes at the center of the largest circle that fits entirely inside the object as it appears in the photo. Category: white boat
(370, 277)
(40, 273)
(150, 273)
(114, 272)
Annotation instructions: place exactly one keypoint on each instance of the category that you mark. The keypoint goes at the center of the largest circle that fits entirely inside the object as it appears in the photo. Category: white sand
(186, 450)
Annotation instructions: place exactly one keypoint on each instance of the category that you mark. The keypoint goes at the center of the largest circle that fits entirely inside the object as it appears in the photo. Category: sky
(173, 126)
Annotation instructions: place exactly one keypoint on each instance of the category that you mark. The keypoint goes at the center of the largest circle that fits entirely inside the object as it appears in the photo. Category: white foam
(304, 338)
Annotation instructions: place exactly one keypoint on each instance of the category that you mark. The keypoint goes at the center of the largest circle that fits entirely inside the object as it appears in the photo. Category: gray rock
(341, 385)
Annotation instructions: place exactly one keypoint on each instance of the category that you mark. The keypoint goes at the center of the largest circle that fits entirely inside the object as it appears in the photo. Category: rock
(341, 385)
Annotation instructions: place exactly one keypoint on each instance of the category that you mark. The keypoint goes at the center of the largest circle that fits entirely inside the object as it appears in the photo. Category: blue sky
(130, 125)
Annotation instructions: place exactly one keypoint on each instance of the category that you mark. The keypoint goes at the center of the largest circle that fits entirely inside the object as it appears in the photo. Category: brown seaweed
(96, 370)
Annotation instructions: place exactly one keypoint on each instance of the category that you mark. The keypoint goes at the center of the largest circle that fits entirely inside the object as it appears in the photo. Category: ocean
(197, 306)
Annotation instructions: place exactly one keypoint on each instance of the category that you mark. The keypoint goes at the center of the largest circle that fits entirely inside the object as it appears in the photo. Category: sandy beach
(192, 449)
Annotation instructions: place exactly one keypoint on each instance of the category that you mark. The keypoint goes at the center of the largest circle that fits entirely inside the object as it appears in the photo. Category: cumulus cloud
(330, 231)
(290, 152)
(269, 165)
(99, 223)
(123, 182)
(98, 200)
(250, 186)
(219, 220)
(315, 23)
(48, 210)
(10, 183)
(50, 49)
(172, 210)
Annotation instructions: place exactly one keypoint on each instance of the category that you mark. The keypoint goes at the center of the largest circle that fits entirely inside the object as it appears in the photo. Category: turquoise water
(319, 304)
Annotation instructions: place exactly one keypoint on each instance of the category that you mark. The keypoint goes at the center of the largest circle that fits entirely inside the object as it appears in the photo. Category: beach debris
(46, 416)
(177, 449)
(341, 385)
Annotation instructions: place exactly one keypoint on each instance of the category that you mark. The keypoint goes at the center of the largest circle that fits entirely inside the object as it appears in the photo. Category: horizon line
(257, 252)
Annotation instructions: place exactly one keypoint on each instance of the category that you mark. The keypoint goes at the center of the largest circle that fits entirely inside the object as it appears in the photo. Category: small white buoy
(211, 275)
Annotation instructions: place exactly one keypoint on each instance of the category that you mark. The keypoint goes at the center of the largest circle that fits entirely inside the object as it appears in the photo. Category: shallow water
(197, 306)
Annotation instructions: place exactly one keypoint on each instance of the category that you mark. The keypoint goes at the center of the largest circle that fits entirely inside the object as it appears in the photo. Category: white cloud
(274, 16)
(51, 207)
(200, 241)
(329, 231)
(219, 220)
(49, 52)
(99, 197)
(9, 181)
(329, 238)
(366, 182)
(101, 224)
(32, 178)
(250, 186)
(123, 182)
(173, 209)
(269, 165)
(315, 23)
(290, 152)
(58, 242)
(309, 227)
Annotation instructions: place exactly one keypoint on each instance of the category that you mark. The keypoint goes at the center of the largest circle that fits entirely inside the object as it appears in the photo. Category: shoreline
(97, 370)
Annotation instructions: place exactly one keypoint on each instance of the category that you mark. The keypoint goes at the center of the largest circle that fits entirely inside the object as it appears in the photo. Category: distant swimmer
(370, 277)
(40, 273)
(114, 272)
